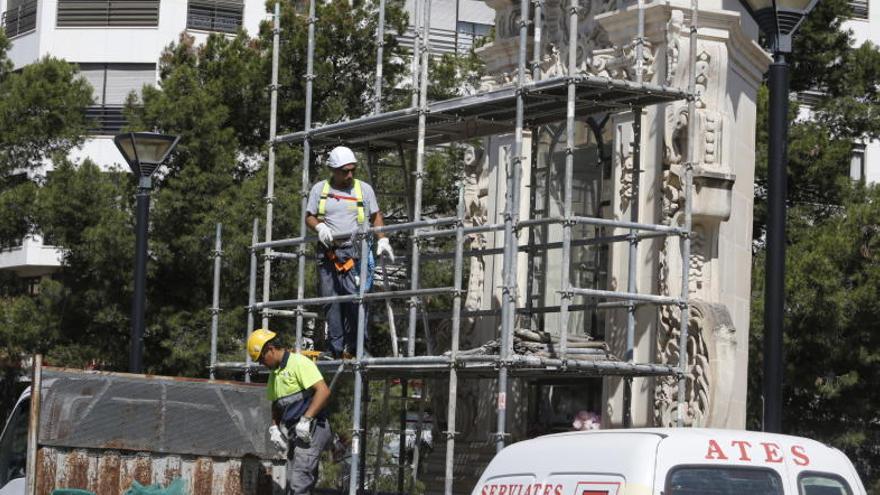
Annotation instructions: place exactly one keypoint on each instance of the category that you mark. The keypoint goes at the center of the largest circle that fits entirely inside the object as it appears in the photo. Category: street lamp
(778, 20)
(144, 152)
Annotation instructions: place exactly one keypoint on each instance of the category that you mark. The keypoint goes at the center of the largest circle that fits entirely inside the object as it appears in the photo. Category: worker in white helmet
(339, 205)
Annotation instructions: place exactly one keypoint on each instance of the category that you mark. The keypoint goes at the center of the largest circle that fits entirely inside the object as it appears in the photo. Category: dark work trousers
(342, 317)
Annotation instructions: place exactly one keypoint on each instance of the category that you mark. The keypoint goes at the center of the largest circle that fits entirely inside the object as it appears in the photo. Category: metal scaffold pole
(567, 223)
(684, 305)
(306, 163)
(270, 188)
(357, 433)
(536, 47)
(634, 206)
(215, 300)
(632, 263)
(252, 298)
(419, 179)
(380, 45)
(511, 214)
(454, 344)
(418, 39)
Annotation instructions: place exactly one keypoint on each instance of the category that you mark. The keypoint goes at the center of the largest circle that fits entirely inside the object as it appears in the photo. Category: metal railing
(215, 15)
(105, 119)
(20, 19)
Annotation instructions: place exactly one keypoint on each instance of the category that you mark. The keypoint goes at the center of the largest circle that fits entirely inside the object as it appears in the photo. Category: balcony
(20, 19)
(31, 259)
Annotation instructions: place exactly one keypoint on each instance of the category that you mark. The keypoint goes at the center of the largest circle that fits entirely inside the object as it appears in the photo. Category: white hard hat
(340, 156)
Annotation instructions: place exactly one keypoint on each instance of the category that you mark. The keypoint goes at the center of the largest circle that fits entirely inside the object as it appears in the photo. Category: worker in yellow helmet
(299, 420)
(336, 206)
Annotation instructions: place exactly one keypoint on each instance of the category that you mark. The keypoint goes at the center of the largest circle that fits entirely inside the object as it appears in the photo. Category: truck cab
(669, 461)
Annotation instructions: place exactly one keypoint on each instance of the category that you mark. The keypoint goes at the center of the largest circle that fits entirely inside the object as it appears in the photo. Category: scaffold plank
(488, 113)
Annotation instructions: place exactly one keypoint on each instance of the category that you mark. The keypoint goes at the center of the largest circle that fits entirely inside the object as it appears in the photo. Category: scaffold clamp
(450, 435)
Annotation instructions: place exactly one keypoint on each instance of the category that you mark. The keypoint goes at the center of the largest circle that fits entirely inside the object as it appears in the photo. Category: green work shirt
(296, 373)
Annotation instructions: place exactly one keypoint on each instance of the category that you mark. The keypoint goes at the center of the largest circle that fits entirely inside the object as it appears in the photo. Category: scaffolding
(526, 104)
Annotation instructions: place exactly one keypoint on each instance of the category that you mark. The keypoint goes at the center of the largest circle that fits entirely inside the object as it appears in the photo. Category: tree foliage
(831, 357)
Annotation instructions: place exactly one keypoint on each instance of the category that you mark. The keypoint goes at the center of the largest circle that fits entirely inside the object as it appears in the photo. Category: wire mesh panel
(153, 414)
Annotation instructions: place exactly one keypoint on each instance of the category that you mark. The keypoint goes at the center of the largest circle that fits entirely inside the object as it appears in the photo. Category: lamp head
(779, 19)
(145, 151)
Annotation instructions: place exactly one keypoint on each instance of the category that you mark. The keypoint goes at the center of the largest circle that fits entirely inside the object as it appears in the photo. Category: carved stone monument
(729, 68)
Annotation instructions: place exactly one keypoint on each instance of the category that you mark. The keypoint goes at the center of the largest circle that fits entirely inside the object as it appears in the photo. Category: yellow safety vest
(358, 196)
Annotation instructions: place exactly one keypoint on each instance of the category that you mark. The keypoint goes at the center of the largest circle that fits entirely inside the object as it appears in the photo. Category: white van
(669, 461)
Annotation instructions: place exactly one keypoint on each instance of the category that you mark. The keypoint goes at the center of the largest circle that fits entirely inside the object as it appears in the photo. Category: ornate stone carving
(711, 351)
(709, 131)
(676, 135)
(711, 127)
(699, 257)
(476, 213)
(626, 174)
(674, 28)
(704, 60)
(622, 62)
(697, 392)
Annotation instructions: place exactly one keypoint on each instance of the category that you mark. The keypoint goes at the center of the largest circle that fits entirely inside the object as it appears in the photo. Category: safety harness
(358, 198)
(346, 264)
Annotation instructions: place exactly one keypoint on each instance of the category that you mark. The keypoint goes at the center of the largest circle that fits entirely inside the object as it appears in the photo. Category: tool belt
(342, 263)
(346, 262)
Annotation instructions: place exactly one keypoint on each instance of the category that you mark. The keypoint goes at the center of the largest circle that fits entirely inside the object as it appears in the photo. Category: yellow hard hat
(257, 340)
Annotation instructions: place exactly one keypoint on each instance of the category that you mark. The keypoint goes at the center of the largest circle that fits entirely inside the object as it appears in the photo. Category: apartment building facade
(117, 45)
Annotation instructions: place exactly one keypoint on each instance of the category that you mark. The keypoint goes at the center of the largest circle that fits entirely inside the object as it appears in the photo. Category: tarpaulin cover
(177, 487)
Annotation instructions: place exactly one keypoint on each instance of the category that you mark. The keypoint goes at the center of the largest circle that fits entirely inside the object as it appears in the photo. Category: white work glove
(325, 235)
(384, 247)
(278, 439)
(304, 429)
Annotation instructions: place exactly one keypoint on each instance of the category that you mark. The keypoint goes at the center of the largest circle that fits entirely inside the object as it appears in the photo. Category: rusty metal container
(100, 431)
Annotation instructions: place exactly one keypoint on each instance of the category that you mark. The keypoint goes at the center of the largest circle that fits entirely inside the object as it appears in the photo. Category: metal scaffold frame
(536, 102)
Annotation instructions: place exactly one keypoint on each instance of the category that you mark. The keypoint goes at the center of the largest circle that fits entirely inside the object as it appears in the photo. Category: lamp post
(778, 20)
(144, 152)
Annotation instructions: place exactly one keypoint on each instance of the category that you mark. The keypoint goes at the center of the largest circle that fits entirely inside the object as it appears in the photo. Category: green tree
(830, 325)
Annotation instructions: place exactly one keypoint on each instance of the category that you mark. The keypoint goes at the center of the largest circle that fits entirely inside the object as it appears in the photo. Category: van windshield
(699, 480)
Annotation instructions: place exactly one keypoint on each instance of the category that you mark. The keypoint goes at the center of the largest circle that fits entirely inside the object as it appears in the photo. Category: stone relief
(704, 60)
(697, 388)
(476, 213)
(627, 185)
(674, 29)
(622, 62)
(697, 267)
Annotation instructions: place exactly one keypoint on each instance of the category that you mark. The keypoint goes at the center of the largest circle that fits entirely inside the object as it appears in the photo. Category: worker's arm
(377, 220)
(319, 399)
(276, 415)
(312, 221)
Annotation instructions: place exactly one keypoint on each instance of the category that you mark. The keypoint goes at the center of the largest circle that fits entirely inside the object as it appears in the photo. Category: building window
(112, 84)
(20, 17)
(857, 163)
(468, 33)
(859, 9)
(100, 13)
(224, 16)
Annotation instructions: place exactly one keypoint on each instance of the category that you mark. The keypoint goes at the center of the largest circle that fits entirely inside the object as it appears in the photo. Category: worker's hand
(278, 439)
(384, 247)
(325, 235)
(304, 429)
